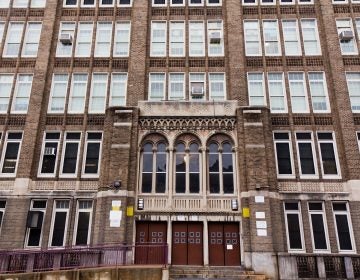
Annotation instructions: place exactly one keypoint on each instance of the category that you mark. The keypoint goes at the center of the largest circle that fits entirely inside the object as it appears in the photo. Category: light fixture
(140, 205)
(117, 184)
(234, 205)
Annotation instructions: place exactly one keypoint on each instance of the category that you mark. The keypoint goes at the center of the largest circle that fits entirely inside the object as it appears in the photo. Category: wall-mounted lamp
(140, 205)
(234, 205)
(116, 185)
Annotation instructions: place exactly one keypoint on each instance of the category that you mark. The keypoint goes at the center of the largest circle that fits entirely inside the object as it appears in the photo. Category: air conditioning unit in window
(66, 39)
(34, 219)
(197, 90)
(215, 37)
(346, 36)
(50, 151)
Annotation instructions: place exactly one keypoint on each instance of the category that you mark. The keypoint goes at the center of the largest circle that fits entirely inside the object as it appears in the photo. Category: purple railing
(21, 261)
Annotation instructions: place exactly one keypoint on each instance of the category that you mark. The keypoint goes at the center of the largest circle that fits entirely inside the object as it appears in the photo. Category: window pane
(92, 158)
(294, 231)
(59, 229)
(318, 231)
(328, 159)
(283, 158)
(343, 231)
(306, 158)
(70, 158)
(82, 228)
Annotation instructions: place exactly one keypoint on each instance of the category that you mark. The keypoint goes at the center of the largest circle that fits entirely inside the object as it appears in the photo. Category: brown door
(150, 243)
(224, 244)
(187, 243)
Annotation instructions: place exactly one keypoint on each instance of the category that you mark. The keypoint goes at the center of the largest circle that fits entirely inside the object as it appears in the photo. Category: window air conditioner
(50, 151)
(34, 219)
(346, 36)
(197, 90)
(215, 37)
(66, 39)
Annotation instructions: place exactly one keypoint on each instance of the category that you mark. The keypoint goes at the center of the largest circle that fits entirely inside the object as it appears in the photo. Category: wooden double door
(187, 243)
(224, 244)
(151, 241)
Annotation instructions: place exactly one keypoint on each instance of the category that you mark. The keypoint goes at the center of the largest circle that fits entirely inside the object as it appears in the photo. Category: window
(118, 89)
(70, 3)
(22, 93)
(59, 223)
(197, 86)
(92, 154)
(4, 3)
(319, 233)
(220, 164)
(298, 92)
(106, 3)
(284, 157)
(353, 83)
(310, 37)
(318, 91)
(158, 38)
(294, 228)
(306, 155)
(159, 2)
(32, 39)
(103, 39)
(83, 223)
(256, 89)
(78, 93)
(154, 168)
(358, 139)
(177, 38)
(271, 37)
(10, 155)
(347, 44)
(98, 91)
(20, 3)
(88, 3)
(58, 93)
(252, 38)
(328, 154)
(2, 27)
(277, 95)
(215, 38)
(84, 39)
(343, 226)
(157, 86)
(217, 88)
(66, 39)
(34, 223)
(49, 154)
(13, 39)
(187, 168)
(176, 86)
(122, 39)
(6, 84)
(291, 37)
(214, 2)
(38, 3)
(196, 2)
(70, 155)
(2, 211)
(125, 3)
(196, 38)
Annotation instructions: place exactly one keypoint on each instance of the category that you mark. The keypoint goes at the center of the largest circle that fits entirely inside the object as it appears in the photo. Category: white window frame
(119, 25)
(191, 23)
(333, 141)
(164, 43)
(81, 111)
(10, 76)
(298, 212)
(112, 88)
(89, 40)
(349, 220)
(104, 93)
(289, 142)
(297, 31)
(58, 141)
(107, 5)
(358, 138)
(15, 5)
(65, 141)
(170, 97)
(100, 27)
(171, 39)
(16, 94)
(192, 80)
(5, 4)
(70, 6)
(55, 210)
(87, 175)
(324, 83)
(11, 175)
(221, 30)
(150, 97)
(351, 95)
(283, 92)
(50, 111)
(305, 93)
(311, 142)
(160, 5)
(124, 5)
(177, 5)
(263, 89)
(255, 3)
(316, 30)
(78, 210)
(224, 83)
(30, 37)
(259, 52)
(323, 213)
(3, 211)
(9, 31)
(42, 226)
(197, 5)
(274, 21)
(67, 31)
(82, 5)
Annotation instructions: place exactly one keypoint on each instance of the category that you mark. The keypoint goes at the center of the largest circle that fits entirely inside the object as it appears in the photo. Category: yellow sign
(130, 211)
(115, 208)
(246, 212)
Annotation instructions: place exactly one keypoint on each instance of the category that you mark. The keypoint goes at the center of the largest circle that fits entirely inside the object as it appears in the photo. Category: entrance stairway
(212, 273)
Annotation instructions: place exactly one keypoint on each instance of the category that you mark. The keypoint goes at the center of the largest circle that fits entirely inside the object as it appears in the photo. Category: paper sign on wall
(259, 199)
(246, 212)
(115, 218)
(130, 211)
(261, 232)
(260, 215)
(261, 224)
(115, 205)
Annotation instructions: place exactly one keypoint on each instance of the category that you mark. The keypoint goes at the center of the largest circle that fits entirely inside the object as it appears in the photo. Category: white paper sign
(115, 223)
(115, 215)
(260, 215)
(259, 199)
(261, 232)
(229, 246)
(261, 224)
(116, 203)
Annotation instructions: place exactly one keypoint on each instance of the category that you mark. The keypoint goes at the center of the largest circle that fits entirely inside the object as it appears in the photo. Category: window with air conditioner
(197, 86)
(49, 156)
(10, 154)
(34, 223)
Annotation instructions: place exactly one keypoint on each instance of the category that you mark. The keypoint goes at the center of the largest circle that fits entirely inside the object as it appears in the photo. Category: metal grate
(254, 62)
(106, 12)
(158, 12)
(335, 267)
(280, 121)
(323, 121)
(341, 9)
(306, 10)
(287, 10)
(216, 63)
(177, 12)
(196, 12)
(120, 64)
(294, 62)
(307, 267)
(268, 10)
(214, 12)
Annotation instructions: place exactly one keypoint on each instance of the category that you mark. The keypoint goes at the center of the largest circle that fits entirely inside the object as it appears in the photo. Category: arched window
(154, 168)
(187, 168)
(221, 168)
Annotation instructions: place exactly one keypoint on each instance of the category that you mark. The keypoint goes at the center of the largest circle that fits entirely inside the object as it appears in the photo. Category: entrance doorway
(187, 243)
(224, 244)
(150, 243)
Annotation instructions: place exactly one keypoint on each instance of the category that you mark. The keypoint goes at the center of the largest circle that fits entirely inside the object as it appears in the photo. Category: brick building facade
(228, 129)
